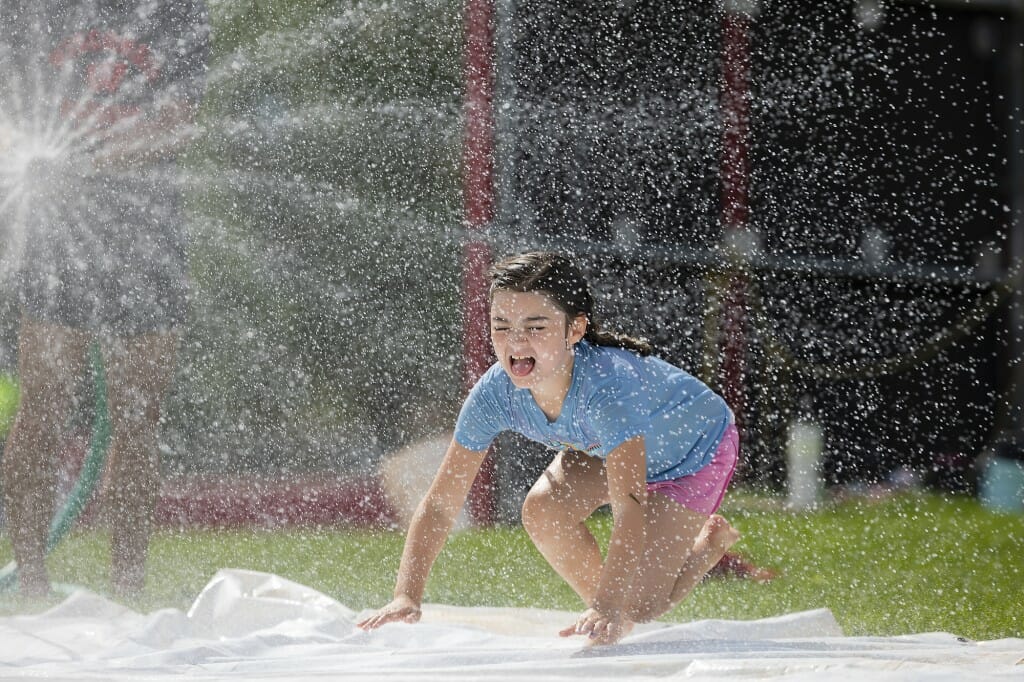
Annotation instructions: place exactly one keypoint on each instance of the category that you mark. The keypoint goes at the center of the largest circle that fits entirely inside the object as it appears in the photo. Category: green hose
(92, 469)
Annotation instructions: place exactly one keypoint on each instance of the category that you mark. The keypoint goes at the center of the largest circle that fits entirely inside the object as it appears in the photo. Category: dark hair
(560, 280)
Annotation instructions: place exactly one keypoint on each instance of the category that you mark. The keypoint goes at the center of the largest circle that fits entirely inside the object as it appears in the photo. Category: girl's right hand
(400, 609)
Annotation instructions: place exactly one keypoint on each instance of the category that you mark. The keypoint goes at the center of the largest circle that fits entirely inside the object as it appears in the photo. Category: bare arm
(626, 469)
(428, 532)
(627, 489)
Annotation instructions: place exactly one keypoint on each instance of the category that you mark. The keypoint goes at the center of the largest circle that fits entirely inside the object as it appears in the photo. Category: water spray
(26, 162)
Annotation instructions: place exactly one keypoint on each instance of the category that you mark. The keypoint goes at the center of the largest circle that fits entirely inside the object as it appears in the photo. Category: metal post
(1015, 250)
(735, 205)
(478, 205)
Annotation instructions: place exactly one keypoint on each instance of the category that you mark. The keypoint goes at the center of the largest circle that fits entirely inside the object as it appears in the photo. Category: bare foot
(718, 534)
(33, 583)
(733, 564)
(127, 587)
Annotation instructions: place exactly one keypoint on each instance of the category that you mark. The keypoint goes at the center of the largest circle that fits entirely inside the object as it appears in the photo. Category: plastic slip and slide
(254, 626)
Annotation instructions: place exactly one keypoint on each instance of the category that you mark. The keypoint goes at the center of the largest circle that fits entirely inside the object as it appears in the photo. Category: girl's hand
(400, 609)
(602, 628)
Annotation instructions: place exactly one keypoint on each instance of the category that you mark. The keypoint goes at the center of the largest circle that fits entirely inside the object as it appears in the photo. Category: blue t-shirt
(615, 395)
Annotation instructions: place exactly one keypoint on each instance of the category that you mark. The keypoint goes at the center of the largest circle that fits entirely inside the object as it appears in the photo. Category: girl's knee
(536, 512)
(542, 513)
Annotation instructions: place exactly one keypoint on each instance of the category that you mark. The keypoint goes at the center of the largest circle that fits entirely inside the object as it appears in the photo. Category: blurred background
(815, 207)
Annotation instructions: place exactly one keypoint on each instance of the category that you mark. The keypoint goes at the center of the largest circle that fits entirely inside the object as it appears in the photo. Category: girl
(631, 430)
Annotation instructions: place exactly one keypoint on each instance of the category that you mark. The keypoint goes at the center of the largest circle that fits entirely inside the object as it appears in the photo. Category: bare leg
(682, 546)
(50, 359)
(671, 531)
(565, 495)
(138, 372)
(715, 538)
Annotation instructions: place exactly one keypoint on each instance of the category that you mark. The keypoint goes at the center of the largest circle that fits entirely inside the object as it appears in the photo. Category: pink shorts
(703, 490)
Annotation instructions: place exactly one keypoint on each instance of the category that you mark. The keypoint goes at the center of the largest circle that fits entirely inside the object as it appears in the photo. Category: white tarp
(254, 626)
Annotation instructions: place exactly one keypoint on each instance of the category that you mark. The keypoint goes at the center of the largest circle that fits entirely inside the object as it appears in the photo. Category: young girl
(631, 430)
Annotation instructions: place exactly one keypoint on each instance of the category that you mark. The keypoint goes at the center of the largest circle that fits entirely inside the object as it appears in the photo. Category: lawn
(912, 563)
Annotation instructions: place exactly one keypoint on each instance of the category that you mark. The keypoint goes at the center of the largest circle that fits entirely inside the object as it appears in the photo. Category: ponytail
(600, 337)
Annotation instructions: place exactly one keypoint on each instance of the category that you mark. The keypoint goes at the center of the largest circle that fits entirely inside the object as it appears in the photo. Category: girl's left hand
(602, 628)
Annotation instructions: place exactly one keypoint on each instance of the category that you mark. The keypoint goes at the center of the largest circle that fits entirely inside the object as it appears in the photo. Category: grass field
(913, 563)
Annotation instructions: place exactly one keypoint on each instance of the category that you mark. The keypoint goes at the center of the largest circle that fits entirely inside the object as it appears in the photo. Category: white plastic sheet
(254, 626)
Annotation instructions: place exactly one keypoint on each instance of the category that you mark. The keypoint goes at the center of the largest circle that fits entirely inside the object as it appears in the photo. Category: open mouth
(521, 365)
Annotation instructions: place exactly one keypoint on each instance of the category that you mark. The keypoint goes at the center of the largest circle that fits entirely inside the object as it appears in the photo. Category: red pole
(735, 176)
(478, 205)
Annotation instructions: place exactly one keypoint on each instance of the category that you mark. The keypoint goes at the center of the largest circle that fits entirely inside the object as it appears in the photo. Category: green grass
(915, 563)
(8, 402)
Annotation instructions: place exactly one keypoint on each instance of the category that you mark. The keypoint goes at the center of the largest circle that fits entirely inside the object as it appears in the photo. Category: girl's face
(533, 339)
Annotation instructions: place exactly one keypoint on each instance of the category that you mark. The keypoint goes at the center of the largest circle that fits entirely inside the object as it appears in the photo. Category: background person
(110, 87)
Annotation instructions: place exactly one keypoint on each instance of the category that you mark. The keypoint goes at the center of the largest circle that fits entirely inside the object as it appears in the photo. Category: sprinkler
(28, 161)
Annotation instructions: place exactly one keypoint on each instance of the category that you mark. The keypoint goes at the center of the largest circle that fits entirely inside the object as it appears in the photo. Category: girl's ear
(578, 328)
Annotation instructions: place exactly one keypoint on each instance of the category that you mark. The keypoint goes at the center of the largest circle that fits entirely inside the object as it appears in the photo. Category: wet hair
(556, 277)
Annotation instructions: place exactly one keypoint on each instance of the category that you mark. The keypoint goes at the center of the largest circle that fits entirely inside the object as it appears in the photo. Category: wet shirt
(615, 395)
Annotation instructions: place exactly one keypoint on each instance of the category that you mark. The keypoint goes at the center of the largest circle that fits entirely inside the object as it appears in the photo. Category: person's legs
(554, 511)
(50, 359)
(681, 544)
(685, 539)
(139, 370)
